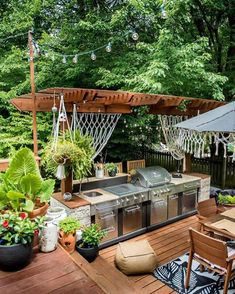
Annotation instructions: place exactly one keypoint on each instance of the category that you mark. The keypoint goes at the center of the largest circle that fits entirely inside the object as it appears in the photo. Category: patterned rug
(173, 275)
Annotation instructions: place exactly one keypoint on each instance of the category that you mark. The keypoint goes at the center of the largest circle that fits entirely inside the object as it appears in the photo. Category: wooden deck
(58, 272)
(168, 242)
(53, 272)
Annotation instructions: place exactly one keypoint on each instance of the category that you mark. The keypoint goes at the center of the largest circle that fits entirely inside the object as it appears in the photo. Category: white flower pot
(49, 236)
(99, 173)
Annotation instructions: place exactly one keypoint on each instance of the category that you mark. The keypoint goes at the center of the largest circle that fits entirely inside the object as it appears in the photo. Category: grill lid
(151, 176)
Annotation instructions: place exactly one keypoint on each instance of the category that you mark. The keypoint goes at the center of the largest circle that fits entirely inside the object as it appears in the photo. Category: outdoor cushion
(135, 257)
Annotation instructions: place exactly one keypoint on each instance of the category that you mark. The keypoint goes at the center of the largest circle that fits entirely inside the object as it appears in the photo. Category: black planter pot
(15, 257)
(89, 254)
(112, 173)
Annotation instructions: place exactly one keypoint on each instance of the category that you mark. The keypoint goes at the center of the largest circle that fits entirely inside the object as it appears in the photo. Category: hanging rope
(99, 126)
(171, 135)
(62, 124)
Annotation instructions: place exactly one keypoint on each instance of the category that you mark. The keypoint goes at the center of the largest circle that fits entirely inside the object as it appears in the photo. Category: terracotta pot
(68, 241)
(39, 211)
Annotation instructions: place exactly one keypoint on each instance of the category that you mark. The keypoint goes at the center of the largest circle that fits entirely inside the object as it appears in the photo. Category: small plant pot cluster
(226, 200)
(111, 169)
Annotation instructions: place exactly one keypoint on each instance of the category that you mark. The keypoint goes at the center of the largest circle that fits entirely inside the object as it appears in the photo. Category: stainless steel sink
(92, 194)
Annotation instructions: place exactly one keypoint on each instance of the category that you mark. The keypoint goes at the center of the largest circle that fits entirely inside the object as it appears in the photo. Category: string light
(163, 11)
(64, 59)
(93, 56)
(108, 48)
(135, 36)
(75, 59)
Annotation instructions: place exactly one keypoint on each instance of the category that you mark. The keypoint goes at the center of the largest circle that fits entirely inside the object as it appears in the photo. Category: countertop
(106, 196)
(184, 179)
(94, 179)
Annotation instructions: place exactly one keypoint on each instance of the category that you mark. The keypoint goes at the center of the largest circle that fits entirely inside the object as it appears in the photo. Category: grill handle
(132, 208)
(108, 215)
(109, 229)
(193, 186)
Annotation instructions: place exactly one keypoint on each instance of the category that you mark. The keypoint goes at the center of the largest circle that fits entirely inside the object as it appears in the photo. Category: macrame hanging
(171, 135)
(99, 126)
(61, 125)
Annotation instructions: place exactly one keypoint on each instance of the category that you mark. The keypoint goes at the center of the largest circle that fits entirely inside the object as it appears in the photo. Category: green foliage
(69, 225)
(76, 155)
(22, 184)
(226, 199)
(92, 235)
(17, 228)
(189, 53)
(110, 166)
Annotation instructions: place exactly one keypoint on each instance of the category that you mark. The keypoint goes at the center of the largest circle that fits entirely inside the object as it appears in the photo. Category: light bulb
(54, 109)
(75, 59)
(135, 36)
(163, 11)
(64, 59)
(93, 56)
(108, 48)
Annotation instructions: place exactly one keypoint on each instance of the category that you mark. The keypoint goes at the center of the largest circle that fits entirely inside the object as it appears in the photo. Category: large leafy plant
(22, 185)
(17, 228)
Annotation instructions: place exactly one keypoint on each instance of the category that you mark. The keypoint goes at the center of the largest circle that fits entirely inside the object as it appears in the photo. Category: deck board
(168, 242)
(48, 273)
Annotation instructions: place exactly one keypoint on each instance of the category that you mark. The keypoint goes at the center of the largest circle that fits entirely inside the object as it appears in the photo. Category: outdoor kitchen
(152, 198)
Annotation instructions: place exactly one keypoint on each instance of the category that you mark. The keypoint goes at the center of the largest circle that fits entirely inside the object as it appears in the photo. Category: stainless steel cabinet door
(189, 201)
(158, 211)
(173, 206)
(132, 218)
(108, 222)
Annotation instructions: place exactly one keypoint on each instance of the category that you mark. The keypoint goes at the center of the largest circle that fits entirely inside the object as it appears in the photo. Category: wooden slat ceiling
(91, 100)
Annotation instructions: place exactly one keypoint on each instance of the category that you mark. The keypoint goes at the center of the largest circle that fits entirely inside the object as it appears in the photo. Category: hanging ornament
(75, 59)
(64, 59)
(62, 117)
(93, 56)
(108, 48)
(135, 36)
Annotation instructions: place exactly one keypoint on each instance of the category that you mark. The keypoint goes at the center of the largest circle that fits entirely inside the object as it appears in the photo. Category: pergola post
(32, 82)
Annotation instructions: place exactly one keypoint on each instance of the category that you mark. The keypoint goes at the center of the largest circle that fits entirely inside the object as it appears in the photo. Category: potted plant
(69, 158)
(111, 168)
(88, 245)
(226, 200)
(22, 187)
(99, 170)
(67, 233)
(17, 232)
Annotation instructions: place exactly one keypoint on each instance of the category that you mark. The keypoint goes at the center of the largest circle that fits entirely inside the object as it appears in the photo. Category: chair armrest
(200, 217)
(220, 209)
(232, 257)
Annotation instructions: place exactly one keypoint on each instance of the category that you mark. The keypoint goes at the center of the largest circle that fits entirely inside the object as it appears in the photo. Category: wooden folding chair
(213, 254)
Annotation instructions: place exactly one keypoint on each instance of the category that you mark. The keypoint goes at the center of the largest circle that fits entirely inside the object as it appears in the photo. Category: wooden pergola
(109, 101)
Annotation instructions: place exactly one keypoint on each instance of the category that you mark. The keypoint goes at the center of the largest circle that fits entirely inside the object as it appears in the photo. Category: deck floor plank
(168, 242)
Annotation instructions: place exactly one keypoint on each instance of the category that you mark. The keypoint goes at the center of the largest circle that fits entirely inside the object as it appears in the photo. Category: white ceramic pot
(49, 236)
(99, 173)
(57, 213)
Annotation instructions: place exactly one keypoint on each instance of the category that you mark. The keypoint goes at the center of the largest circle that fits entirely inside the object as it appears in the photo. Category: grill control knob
(122, 200)
(142, 196)
(127, 199)
(168, 190)
(135, 197)
(118, 202)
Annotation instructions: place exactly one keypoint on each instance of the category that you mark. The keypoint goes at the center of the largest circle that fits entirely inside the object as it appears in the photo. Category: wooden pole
(32, 82)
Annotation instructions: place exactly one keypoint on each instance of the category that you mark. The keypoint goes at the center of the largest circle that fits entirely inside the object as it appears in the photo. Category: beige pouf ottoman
(135, 257)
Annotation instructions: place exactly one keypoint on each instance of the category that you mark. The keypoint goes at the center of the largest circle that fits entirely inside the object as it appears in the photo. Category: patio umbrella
(217, 124)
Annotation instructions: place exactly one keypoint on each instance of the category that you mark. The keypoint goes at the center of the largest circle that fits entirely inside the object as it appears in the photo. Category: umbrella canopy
(221, 119)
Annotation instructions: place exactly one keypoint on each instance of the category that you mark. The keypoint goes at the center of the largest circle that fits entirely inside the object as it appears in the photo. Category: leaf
(30, 184)
(47, 189)
(28, 206)
(13, 195)
(23, 163)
